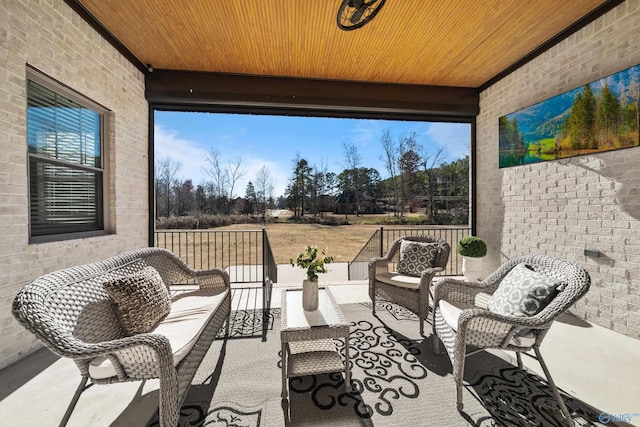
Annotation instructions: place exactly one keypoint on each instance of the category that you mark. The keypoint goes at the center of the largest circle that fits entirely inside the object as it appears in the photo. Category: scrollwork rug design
(396, 380)
(389, 373)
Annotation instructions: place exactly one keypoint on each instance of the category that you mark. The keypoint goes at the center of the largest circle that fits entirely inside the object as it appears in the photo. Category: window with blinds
(65, 163)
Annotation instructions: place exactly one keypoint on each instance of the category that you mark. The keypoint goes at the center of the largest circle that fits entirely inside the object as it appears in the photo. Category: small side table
(307, 337)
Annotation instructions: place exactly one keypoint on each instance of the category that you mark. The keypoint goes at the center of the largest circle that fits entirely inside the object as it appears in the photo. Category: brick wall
(49, 36)
(562, 207)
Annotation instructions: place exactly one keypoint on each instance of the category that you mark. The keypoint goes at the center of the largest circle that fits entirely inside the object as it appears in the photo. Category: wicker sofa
(72, 314)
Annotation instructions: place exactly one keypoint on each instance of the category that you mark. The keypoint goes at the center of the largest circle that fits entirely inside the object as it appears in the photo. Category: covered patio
(470, 62)
(36, 390)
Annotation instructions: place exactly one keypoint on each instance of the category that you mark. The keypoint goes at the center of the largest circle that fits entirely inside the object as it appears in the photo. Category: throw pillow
(140, 300)
(523, 292)
(416, 257)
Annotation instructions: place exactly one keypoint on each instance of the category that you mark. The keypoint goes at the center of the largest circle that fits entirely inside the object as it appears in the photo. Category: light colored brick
(587, 201)
(51, 37)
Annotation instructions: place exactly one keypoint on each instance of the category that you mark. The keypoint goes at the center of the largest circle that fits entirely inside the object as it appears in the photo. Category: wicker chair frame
(69, 312)
(415, 300)
(481, 329)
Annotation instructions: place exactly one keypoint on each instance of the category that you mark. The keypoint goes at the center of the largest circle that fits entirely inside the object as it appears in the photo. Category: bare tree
(235, 174)
(165, 172)
(322, 180)
(217, 172)
(352, 160)
(390, 158)
(408, 163)
(264, 189)
(315, 190)
(429, 162)
(224, 177)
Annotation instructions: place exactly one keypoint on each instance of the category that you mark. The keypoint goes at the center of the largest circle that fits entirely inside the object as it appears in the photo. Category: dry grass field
(287, 240)
(241, 244)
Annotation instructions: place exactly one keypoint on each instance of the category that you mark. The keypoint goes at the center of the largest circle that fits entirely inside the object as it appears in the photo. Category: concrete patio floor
(592, 363)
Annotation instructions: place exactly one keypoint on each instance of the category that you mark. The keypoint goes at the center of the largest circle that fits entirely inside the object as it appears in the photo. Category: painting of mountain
(599, 116)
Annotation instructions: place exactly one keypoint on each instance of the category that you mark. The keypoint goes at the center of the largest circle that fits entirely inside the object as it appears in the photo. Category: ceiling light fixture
(354, 14)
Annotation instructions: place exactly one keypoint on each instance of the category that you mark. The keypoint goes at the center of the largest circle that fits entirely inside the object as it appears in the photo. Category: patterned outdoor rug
(396, 379)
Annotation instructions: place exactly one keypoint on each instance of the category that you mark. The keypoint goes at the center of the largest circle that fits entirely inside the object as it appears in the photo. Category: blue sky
(273, 141)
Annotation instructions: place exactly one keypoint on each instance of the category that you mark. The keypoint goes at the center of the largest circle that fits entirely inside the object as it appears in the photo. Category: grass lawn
(286, 238)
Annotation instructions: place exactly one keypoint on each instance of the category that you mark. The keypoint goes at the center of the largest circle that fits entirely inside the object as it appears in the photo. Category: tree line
(602, 122)
(216, 196)
(418, 181)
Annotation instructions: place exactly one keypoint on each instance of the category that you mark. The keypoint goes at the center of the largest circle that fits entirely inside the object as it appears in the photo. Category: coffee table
(308, 346)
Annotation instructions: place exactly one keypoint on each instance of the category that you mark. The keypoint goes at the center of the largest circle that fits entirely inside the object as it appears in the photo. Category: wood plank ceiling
(461, 43)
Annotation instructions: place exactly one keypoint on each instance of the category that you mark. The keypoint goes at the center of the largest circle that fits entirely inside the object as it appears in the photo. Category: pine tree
(608, 115)
(251, 199)
(580, 126)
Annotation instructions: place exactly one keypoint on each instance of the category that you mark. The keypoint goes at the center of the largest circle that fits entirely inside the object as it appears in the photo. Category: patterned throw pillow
(416, 257)
(523, 292)
(140, 300)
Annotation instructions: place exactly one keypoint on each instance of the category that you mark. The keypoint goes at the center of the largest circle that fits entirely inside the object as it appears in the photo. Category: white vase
(309, 295)
(472, 268)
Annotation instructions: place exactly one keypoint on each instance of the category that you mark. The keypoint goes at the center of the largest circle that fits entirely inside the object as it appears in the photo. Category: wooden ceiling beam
(168, 89)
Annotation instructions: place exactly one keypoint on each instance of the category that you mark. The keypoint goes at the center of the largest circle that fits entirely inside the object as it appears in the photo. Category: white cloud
(367, 132)
(188, 153)
(192, 157)
(455, 138)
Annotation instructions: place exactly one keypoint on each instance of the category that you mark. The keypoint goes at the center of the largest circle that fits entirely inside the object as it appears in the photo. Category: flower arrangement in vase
(315, 263)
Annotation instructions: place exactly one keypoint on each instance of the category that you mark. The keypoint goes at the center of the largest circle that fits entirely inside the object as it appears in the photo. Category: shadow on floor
(512, 396)
(572, 320)
(30, 367)
(518, 397)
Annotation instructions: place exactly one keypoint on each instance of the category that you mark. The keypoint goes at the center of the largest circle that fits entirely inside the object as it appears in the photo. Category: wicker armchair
(407, 291)
(479, 328)
(69, 312)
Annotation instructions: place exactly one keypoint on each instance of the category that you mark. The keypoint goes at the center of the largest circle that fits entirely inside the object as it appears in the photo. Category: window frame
(102, 172)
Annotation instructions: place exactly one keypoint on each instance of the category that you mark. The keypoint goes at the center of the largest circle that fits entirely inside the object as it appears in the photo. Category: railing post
(381, 243)
(264, 260)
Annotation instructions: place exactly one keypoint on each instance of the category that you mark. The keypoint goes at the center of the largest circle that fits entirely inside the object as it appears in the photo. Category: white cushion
(400, 280)
(190, 313)
(481, 300)
(451, 313)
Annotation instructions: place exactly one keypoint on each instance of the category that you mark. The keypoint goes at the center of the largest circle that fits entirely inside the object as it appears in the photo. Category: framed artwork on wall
(601, 116)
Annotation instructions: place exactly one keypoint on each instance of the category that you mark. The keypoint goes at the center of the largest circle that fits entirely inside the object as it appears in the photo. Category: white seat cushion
(190, 313)
(400, 280)
(481, 300)
(451, 313)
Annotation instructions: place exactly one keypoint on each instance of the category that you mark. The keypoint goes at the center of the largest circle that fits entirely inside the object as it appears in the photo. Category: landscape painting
(600, 116)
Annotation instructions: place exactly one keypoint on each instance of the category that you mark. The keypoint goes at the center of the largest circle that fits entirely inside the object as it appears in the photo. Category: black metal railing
(269, 269)
(380, 241)
(245, 254)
